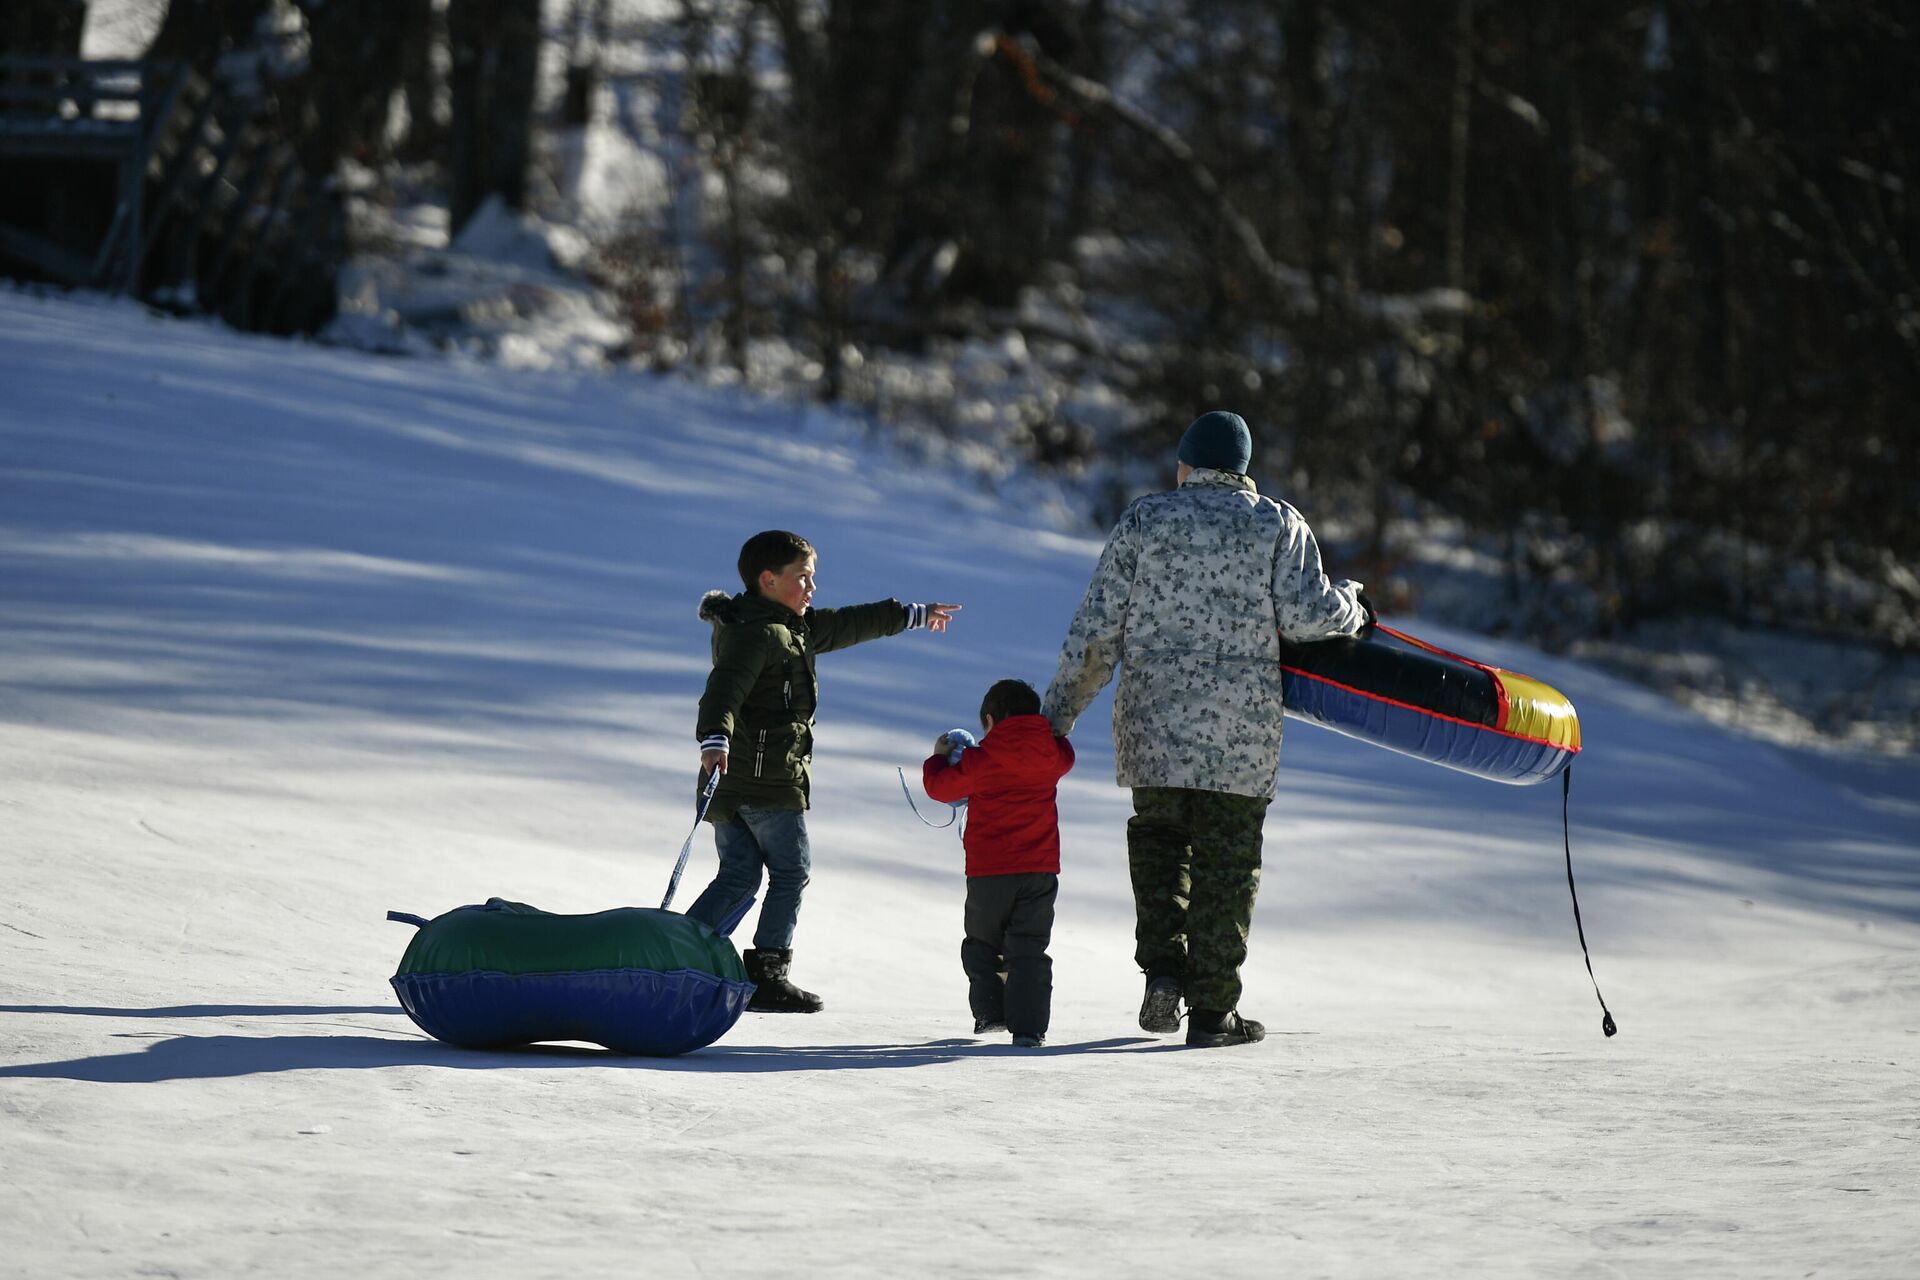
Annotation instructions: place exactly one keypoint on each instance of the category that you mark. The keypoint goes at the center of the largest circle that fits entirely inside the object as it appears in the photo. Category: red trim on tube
(1436, 715)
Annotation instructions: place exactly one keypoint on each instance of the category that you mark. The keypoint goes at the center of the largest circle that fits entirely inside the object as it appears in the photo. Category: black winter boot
(1160, 1009)
(772, 993)
(1208, 1029)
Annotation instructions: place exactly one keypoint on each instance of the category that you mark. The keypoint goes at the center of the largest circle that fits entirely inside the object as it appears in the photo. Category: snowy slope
(289, 637)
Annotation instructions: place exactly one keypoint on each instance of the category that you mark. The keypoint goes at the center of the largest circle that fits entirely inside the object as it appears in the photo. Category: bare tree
(43, 27)
(495, 46)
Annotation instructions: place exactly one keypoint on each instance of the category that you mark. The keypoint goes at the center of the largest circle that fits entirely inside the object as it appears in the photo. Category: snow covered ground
(292, 636)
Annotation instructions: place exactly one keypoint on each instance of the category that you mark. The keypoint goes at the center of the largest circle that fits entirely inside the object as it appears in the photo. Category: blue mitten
(961, 740)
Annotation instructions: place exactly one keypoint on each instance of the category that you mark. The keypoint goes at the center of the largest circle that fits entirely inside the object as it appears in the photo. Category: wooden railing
(210, 208)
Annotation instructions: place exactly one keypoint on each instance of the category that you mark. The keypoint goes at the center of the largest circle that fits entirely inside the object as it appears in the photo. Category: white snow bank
(290, 636)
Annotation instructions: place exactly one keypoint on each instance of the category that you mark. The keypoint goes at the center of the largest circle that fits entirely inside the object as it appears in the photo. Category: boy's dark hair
(1009, 698)
(770, 552)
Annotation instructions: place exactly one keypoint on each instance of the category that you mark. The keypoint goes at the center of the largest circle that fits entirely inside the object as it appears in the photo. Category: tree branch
(1054, 86)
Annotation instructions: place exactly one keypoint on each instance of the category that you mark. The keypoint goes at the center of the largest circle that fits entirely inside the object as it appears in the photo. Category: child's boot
(772, 993)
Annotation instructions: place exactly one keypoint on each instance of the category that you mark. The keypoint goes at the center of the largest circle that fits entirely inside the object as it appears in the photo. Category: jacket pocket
(781, 752)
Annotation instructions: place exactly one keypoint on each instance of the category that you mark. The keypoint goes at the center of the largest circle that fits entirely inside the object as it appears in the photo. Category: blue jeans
(754, 838)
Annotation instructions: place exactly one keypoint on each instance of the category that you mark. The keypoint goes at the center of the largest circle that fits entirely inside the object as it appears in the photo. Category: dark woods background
(1624, 287)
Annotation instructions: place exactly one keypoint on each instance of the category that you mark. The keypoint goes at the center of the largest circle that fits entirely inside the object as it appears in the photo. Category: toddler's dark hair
(1009, 698)
(770, 552)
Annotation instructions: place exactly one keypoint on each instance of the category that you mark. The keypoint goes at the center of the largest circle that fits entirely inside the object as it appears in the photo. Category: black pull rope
(686, 850)
(1606, 1016)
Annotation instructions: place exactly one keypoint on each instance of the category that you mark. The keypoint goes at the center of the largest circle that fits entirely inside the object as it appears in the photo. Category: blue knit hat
(1219, 440)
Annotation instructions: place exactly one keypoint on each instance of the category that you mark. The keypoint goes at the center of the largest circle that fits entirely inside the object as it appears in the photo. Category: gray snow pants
(1009, 974)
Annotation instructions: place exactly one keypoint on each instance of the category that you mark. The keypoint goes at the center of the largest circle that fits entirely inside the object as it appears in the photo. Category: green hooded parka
(762, 692)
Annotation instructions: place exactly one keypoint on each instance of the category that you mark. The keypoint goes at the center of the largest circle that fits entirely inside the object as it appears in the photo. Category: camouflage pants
(1195, 861)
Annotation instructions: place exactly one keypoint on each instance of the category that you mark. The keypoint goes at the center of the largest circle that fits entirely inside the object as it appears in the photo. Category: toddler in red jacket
(1012, 839)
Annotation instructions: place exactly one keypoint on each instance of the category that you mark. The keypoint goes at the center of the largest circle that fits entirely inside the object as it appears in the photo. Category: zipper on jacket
(786, 693)
(761, 754)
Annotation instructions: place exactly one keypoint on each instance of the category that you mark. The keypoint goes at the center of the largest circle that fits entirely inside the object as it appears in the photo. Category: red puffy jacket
(1012, 823)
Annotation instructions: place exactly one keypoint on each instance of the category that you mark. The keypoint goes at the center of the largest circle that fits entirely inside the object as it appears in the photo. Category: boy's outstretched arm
(858, 623)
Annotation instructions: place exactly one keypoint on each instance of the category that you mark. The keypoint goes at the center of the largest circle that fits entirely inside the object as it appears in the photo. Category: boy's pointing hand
(939, 615)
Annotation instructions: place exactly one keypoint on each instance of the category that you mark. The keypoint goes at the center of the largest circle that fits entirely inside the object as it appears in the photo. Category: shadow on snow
(222, 1057)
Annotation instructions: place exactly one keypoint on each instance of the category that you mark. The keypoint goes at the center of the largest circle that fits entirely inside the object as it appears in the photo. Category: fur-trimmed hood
(722, 609)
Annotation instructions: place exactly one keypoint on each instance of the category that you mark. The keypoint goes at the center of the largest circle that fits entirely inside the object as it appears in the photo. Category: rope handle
(952, 817)
(953, 814)
(686, 850)
(1606, 1015)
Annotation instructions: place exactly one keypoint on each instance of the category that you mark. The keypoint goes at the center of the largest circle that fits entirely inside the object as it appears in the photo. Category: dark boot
(1208, 1029)
(772, 993)
(1160, 1009)
(986, 985)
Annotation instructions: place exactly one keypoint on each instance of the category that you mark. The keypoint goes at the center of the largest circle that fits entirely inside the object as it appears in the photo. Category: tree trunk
(1085, 142)
(421, 31)
(587, 22)
(43, 28)
(199, 31)
(495, 46)
(1459, 136)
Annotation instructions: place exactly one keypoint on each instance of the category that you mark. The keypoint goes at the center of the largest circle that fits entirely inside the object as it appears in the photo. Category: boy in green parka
(756, 728)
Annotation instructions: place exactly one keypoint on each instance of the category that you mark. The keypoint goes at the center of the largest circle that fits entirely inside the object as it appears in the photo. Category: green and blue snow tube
(635, 979)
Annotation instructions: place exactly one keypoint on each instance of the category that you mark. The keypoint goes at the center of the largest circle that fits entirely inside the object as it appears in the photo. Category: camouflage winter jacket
(760, 697)
(1194, 590)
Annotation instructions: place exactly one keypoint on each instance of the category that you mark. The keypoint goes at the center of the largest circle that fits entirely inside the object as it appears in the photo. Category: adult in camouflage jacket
(1194, 590)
